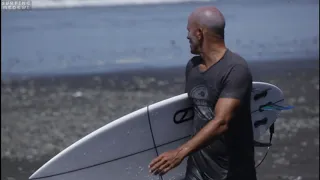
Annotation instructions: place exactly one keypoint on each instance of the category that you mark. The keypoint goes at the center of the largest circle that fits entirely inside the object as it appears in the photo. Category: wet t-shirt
(231, 155)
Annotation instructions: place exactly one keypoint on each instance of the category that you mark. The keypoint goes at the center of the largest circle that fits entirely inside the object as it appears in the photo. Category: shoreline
(87, 79)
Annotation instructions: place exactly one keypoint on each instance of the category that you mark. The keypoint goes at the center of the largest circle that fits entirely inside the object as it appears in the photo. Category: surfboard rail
(154, 128)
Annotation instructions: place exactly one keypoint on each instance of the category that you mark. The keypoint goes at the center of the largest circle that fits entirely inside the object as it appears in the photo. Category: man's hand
(166, 161)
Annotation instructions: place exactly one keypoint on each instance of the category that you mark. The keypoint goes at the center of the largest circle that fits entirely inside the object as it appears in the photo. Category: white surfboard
(122, 149)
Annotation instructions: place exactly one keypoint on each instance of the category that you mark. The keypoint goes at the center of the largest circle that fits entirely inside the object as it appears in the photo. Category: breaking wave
(88, 3)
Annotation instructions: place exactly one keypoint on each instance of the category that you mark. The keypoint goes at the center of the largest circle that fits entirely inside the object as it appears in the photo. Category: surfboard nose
(104, 151)
(35, 175)
(40, 172)
(45, 170)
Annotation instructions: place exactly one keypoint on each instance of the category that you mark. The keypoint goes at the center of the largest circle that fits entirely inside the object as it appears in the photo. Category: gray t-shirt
(232, 154)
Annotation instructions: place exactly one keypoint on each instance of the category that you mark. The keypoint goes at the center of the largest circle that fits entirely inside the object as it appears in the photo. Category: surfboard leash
(269, 107)
(259, 144)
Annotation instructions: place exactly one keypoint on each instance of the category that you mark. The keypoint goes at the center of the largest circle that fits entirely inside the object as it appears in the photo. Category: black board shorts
(195, 173)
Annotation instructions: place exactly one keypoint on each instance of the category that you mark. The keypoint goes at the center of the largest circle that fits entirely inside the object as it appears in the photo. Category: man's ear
(199, 33)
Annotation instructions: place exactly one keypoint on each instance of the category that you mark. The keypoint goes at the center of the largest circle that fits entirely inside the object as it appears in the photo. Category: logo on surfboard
(183, 115)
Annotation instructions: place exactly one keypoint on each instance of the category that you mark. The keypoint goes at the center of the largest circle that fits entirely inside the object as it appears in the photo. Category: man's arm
(224, 111)
(236, 85)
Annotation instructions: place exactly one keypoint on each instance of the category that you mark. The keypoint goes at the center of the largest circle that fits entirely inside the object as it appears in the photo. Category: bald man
(219, 83)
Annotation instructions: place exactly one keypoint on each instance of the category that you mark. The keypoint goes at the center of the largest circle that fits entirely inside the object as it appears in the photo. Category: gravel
(39, 118)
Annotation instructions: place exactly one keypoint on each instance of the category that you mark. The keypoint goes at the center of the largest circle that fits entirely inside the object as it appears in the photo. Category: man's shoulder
(195, 60)
(236, 66)
(236, 61)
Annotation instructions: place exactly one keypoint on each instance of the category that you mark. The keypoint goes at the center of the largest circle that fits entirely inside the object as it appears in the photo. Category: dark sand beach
(42, 116)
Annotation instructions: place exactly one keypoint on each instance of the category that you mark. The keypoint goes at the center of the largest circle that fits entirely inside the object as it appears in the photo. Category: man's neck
(213, 54)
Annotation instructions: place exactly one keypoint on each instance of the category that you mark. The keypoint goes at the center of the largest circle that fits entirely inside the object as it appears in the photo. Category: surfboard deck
(122, 149)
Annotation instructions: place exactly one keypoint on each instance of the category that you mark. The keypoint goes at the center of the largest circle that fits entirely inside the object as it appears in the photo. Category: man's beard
(195, 46)
(194, 49)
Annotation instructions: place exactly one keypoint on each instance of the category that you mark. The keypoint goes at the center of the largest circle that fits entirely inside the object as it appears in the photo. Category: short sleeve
(191, 63)
(188, 68)
(237, 83)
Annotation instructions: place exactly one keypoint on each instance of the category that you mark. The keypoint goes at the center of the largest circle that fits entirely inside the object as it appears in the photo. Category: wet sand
(42, 116)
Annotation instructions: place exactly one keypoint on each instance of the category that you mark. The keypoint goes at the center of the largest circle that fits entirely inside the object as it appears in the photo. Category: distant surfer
(219, 83)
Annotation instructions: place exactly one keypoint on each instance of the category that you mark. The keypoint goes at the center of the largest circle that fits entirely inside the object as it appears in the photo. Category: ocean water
(56, 37)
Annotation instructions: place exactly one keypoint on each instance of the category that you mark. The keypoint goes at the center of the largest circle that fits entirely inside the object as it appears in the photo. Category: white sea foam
(88, 3)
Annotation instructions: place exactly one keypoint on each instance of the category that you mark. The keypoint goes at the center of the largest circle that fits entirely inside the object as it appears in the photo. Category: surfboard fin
(273, 107)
